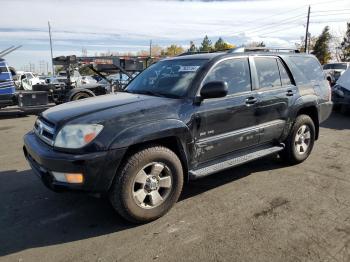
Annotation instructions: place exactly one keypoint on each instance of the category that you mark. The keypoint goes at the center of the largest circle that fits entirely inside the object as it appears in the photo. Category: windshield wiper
(152, 93)
(146, 92)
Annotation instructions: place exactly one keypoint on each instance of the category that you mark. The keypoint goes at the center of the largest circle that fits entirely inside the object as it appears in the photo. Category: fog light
(72, 178)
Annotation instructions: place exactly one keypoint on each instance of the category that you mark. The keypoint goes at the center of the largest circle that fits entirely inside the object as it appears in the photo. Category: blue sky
(122, 25)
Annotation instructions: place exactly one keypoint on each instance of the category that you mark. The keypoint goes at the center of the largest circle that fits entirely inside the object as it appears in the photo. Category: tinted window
(170, 78)
(310, 68)
(268, 73)
(233, 71)
(285, 79)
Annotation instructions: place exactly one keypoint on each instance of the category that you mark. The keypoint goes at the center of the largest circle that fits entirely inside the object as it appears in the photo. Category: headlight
(77, 136)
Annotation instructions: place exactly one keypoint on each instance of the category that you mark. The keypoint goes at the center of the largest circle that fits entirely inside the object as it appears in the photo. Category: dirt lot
(263, 211)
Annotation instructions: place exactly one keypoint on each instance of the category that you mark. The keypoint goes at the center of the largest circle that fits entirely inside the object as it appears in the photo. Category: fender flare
(151, 131)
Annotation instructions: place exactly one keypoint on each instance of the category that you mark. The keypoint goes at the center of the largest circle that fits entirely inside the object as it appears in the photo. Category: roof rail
(262, 49)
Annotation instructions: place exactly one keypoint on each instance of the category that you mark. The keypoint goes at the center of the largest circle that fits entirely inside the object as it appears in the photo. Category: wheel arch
(312, 112)
(170, 133)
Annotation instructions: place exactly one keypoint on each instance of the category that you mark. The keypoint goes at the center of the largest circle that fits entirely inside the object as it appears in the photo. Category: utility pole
(307, 29)
(150, 48)
(53, 69)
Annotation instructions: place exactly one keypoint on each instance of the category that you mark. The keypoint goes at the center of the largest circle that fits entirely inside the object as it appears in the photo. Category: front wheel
(149, 184)
(300, 141)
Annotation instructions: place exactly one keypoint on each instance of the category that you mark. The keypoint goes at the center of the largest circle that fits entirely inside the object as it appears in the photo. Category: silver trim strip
(241, 131)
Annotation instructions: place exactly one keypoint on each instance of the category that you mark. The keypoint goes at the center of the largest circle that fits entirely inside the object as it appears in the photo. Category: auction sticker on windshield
(188, 68)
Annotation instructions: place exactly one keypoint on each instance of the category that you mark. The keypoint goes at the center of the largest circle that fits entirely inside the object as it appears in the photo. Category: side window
(235, 72)
(310, 68)
(285, 79)
(268, 73)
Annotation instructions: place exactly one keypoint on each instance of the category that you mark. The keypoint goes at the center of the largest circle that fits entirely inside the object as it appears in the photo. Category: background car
(341, 92)
(334, 70)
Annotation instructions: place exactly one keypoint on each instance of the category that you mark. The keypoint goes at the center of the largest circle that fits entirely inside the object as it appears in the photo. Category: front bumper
(98, 168)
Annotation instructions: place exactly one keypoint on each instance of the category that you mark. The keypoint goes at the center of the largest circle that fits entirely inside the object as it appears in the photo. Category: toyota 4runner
(183, 118)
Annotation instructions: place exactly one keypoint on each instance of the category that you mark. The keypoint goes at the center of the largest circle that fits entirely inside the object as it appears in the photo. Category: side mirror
(214, 89)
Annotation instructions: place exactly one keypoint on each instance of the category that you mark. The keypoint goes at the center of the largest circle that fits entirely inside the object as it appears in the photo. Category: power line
(271, 25)
(278, 30)
(328, 21)
(334, 10)
(331, 14)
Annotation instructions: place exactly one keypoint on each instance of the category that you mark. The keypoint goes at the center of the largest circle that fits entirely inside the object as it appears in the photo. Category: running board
(230, 161)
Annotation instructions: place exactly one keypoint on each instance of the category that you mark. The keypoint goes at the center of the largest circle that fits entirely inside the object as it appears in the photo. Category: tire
(150, 170)
(80, 95)
(295, 151)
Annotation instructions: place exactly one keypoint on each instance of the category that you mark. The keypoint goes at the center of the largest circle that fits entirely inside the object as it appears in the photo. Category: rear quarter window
(306, 69)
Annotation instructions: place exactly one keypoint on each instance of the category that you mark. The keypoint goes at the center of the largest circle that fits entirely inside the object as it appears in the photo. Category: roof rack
(262, 49)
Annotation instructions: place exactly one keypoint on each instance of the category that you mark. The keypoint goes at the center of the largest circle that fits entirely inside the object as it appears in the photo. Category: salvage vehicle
(334, 70)
(26, 100)
(7, 87)
(26, 80)
(183, 118)
(341, 92)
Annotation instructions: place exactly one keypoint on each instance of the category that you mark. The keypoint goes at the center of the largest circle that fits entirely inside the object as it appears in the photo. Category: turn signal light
(72, 178)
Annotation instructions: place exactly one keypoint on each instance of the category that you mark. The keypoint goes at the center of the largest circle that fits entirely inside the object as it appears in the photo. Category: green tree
(321, 48)
(344, 47)
(255, 44)
(173, 50)
(206, 45)
(221, 45)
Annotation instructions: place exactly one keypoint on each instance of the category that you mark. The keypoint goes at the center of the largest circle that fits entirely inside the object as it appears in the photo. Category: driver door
(229, 123)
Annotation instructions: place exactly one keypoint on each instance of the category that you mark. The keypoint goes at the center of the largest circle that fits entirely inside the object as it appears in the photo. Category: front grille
(44, 130)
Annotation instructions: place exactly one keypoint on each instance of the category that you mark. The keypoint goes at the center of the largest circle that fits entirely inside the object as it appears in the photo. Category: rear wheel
(300, 141)
(149, 184)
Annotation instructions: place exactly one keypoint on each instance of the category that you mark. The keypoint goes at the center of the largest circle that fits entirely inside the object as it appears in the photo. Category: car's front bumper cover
(98, 168)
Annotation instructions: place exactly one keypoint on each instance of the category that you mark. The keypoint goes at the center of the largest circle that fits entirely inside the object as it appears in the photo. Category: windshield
(335, 66)
(170, 78)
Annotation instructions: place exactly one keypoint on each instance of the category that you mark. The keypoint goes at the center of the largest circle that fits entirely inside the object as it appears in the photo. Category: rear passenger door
(229, 123)
(276, 92)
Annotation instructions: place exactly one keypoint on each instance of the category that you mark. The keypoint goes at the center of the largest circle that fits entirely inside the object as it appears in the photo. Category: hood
(72, 110)
(344, 80)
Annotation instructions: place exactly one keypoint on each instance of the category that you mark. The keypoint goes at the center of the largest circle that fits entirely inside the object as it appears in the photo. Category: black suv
(182, 118)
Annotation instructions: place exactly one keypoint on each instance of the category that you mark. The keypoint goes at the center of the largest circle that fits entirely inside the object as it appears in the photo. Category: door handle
(251, 100)
(290, 93)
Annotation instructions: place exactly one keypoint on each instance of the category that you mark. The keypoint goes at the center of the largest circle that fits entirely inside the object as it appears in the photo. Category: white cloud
(122, 24)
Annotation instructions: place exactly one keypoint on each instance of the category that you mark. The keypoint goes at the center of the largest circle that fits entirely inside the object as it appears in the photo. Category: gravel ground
(262, 211)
